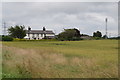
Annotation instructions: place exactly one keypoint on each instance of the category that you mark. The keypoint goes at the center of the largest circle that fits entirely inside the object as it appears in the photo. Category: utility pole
(4, 28)
(106, 20)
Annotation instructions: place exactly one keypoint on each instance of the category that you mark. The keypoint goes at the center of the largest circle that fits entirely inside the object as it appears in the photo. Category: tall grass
(67, 59)
(0, 59)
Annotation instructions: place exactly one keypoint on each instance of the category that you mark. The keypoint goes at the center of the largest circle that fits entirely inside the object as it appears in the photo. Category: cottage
(39, 34)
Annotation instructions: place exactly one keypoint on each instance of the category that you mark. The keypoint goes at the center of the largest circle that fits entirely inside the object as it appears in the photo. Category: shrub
(70, 39)
(97, 34)
(17, 39)
(97, 38)
(7, 38)
(0, 37)
(76, 38)
(69, 35)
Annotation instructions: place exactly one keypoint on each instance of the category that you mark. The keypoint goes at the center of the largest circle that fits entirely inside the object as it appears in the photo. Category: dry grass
(44, 62)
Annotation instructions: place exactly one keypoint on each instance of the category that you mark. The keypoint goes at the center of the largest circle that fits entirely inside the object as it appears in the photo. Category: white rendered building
(39, 34)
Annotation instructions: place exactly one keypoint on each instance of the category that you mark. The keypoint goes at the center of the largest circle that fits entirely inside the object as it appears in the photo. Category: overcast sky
(85, 16)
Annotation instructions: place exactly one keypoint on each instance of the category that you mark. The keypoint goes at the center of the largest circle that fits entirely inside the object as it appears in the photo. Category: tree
(97, 34)
(105, 37)
(69, 34)
(17, 32)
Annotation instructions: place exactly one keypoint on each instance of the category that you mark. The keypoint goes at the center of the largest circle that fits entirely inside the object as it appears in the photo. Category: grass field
(60, 59)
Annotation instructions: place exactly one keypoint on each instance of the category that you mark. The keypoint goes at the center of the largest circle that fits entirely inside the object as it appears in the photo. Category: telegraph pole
(106, 20)
(4, 29)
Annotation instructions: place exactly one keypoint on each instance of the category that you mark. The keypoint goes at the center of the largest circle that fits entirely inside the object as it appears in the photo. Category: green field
(60, 59)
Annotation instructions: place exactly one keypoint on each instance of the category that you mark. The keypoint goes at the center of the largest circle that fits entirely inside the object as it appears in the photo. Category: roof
(86, 37)
(39, 32)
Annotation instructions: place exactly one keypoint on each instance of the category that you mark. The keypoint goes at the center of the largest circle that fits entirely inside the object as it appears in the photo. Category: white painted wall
(37, 36)
(50, 35)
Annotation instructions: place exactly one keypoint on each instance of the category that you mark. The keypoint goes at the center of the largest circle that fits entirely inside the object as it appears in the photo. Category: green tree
(97, 34)
(17, 32)
(105, 37)
(69, 34)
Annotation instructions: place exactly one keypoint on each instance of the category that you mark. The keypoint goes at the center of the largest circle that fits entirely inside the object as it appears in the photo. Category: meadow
(60, 59)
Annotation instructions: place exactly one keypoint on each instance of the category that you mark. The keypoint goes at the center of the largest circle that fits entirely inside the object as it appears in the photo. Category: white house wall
(50, 35)
(37, 36)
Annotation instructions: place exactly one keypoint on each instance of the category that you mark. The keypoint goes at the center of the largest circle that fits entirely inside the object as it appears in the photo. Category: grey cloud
(0, 18)
(87, 16)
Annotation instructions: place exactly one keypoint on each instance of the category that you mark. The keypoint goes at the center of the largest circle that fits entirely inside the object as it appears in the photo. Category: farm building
(87, 37)
(39, 34)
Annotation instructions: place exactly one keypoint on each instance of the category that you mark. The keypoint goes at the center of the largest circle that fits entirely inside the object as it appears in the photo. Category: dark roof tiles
(39, 32)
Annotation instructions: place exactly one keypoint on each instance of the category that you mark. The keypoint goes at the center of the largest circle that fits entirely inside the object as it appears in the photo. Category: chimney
(29, 29)
(44, 29)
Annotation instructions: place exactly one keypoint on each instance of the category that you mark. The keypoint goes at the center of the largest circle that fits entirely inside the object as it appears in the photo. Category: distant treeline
(18, 33)
(114, 38)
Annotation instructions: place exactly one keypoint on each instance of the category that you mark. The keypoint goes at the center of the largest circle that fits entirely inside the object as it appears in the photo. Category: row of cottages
(39, 34)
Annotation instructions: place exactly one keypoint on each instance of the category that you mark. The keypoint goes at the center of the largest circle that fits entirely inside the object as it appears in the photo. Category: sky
(88, 17)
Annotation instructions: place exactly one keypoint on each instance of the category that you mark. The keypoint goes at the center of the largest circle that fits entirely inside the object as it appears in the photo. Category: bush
(0, 37)
(69, 39)
(17, 39)
(97, 34)
(97, 38)
(76, 38)
(69, 35)
(7, 38)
